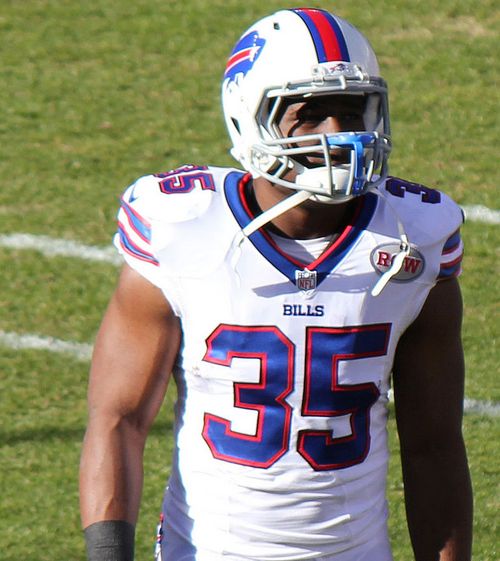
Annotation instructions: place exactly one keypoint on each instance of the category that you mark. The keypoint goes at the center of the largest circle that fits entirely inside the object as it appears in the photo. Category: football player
(288, 298)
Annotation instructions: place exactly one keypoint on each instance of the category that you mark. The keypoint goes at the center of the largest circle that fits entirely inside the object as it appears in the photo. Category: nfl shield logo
(306, 280)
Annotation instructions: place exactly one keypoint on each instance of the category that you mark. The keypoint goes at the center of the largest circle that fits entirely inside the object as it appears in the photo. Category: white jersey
(284, 370)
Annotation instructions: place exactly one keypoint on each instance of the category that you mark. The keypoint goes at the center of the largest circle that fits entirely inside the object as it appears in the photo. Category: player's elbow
(129, 425)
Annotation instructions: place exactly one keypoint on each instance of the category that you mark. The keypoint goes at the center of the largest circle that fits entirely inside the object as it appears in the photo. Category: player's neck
(306, 221)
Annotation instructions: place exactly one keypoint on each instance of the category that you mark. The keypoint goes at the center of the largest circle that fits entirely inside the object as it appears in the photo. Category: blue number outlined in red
(185, 179)
(399, 188)
(324, 396)
(267, 396)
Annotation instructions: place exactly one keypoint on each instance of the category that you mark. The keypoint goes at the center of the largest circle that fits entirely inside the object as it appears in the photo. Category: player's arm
(429, 392)
(134, 354)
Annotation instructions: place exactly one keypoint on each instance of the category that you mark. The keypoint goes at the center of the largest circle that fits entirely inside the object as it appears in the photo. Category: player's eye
(351, 117)
(313, 114)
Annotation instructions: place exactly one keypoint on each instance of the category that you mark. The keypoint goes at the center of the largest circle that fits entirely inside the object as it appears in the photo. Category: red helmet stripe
(326, 34)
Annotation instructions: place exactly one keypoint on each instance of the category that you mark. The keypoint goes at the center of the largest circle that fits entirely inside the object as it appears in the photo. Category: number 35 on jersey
(323, 395)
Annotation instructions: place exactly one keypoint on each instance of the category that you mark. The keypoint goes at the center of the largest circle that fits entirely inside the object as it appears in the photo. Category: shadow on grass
(49, 433)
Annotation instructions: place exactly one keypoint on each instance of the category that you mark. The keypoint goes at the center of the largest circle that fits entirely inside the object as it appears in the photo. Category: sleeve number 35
(324, 395)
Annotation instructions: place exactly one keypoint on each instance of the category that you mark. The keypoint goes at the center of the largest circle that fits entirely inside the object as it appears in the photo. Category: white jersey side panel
(285, 367)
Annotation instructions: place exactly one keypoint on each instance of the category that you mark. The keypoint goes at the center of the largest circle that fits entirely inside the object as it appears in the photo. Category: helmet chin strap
(397, 262)
(264, 218)
(277, 210)
(299, 197)
(399, 259)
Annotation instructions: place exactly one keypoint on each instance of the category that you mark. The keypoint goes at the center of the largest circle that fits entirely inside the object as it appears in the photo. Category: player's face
(323, 115)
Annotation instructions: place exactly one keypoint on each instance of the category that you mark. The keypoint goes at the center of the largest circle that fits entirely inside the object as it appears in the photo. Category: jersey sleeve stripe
(453, 249)
(451, 264)
(452, 243)
(451, 269)
(139, 224)
(452, 253)
(451, 258)
(132, 249)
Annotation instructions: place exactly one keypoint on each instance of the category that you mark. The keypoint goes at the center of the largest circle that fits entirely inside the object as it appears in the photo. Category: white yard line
(479, 213)
(80, 351)
(52, 247)
(487, 408)
(67, 248)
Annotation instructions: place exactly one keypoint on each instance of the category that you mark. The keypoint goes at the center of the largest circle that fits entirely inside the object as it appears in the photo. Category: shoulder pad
(169, 218)
(177, 195)
(431, 220)
(426, 214)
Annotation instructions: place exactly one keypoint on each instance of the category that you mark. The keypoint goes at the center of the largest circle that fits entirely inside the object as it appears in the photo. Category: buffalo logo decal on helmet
(244, 55)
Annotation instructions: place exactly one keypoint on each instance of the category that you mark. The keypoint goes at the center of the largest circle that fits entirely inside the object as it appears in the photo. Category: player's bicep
(134, 352)
(429, 370)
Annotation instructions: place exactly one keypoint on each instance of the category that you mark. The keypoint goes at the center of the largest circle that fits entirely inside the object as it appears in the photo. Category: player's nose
(331, 124)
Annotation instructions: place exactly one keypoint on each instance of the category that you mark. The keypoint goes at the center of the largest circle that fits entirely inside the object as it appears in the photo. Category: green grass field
(95, 94)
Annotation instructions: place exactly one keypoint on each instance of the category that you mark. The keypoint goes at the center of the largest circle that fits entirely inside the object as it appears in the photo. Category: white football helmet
(296, 54)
